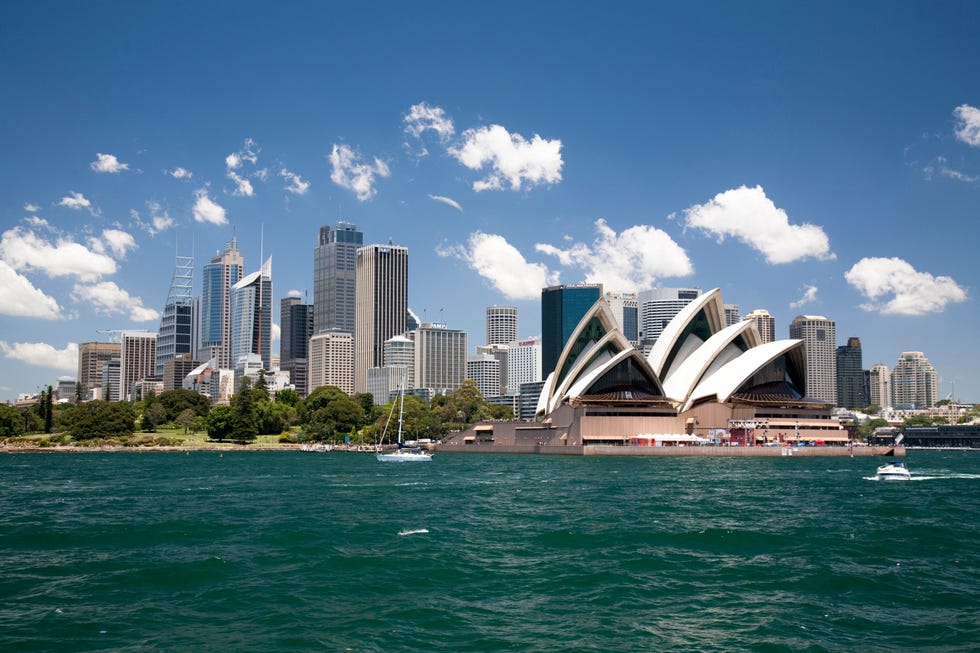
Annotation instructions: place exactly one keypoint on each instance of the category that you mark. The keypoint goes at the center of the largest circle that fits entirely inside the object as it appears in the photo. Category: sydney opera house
(702, 383)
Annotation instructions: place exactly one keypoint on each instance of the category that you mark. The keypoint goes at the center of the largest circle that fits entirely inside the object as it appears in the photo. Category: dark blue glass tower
(562, 308)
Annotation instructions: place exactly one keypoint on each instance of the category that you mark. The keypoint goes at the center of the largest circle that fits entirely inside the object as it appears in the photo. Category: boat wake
(931, 477)
(417, 531)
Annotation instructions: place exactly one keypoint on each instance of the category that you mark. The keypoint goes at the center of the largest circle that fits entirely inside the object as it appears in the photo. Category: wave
(417, 531)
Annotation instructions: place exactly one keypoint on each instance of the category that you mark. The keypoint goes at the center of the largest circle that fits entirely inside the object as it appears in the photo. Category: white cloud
(295, 184)
(809, 296)
(632, 260)
(967, 124)
(19, 297)
(159, 219)
(294, 293)
(751, 217)
(243, 187)
(248, 153)
(42, 354)
(109, 299)
(206, 209)
(349, 171)
(35, 221)
(31, 208)
(496, 260)
(108, 163)
(911, 292)
(180, 173)
(448, 201)
(512, 159)
(119, 242)
(276, 332)
(422, 117)
(24, 250)
(939, 167)
(77, 202)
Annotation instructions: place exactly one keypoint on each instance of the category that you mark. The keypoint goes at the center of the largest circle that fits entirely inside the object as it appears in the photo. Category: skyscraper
(915, 384)
(296, 327)
(176, 330)
(501, 324)
(765, 324)
(332, 360)
(334, 285)
(562, 307)
(852, 391)
(500, 353)
(658, 307)
(440, 358)
(731, 314)
(626, 309)
(523, 364)
(381, 275)
(137, 360)
(251, 316)
(484, 370)
(223, 272)
(880, 385)
(399, 351)
(92, 357)
(819, 337)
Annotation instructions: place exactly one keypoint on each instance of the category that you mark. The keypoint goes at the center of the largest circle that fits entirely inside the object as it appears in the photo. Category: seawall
(707, 451)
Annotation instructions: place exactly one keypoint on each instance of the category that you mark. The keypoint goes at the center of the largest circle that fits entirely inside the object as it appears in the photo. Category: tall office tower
(110, 390)
(879, 381)
(251, 317)
(765, 324)
(484, 370)
(501, 324)
(195, 327)
(223, 272)
(295, 328)
(658, 307)
(626, 309)
(818, 335)
(381, 275)
(915, 384)
(176, 370)
(852, 390)
(332, 360)
(137, 360)
(523, 364)
(92, 356)
(334, 285)
(176, 330)
(440, 358)
(399, 351)
(562, 307)
(500, 353)
(731, 314)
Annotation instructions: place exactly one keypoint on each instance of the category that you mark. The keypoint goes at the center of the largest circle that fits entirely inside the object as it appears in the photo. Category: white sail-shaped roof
(717, 351)
(586, 380)
(729, 378)
(670, 348)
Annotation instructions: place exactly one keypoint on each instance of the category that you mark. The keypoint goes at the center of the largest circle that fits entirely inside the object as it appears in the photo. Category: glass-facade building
(217, 278)
(852, 383)
(334, 284)
(562, 307)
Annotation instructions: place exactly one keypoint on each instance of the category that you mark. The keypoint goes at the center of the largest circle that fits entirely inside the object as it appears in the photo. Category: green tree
(274, 418)
(186, 419)
(261, 384)
(11, 422)
(220, 422)
(288, 396)
(95, 419)
(78, 392)
(245, 426)
(868, 428)
(330, 412)
(918, 420)
(179, 400)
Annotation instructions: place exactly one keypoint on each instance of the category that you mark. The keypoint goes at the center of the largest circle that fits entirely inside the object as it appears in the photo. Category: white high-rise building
(523, 364)
(880, 386)
(399, 351)
(819, 337)
(384, 383)
(914, 382)
(137, 360)
(500, 353)
(251, 316)
(331, 361)
(731, 314)
(765, 324)
(626, 309)
(657, 307)
(501, 324)
(440, 358)
(484, 369)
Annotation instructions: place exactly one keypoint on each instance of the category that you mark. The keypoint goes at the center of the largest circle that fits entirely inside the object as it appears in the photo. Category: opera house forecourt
(704, 389)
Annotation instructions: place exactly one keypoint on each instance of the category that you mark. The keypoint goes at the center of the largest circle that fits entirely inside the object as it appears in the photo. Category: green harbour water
(295, 551)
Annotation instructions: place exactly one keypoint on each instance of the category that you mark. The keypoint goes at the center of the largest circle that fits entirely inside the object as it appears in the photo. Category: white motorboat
(896, 471)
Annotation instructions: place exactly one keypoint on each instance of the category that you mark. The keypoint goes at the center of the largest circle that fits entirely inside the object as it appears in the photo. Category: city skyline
(807, 160)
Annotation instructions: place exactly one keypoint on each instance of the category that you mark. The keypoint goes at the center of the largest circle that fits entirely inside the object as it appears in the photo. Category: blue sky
(806, 159)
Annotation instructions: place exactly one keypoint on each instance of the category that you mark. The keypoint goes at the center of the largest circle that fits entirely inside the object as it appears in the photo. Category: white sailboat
(403, 454)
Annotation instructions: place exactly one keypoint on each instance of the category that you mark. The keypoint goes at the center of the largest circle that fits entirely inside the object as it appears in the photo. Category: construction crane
(115, 335)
